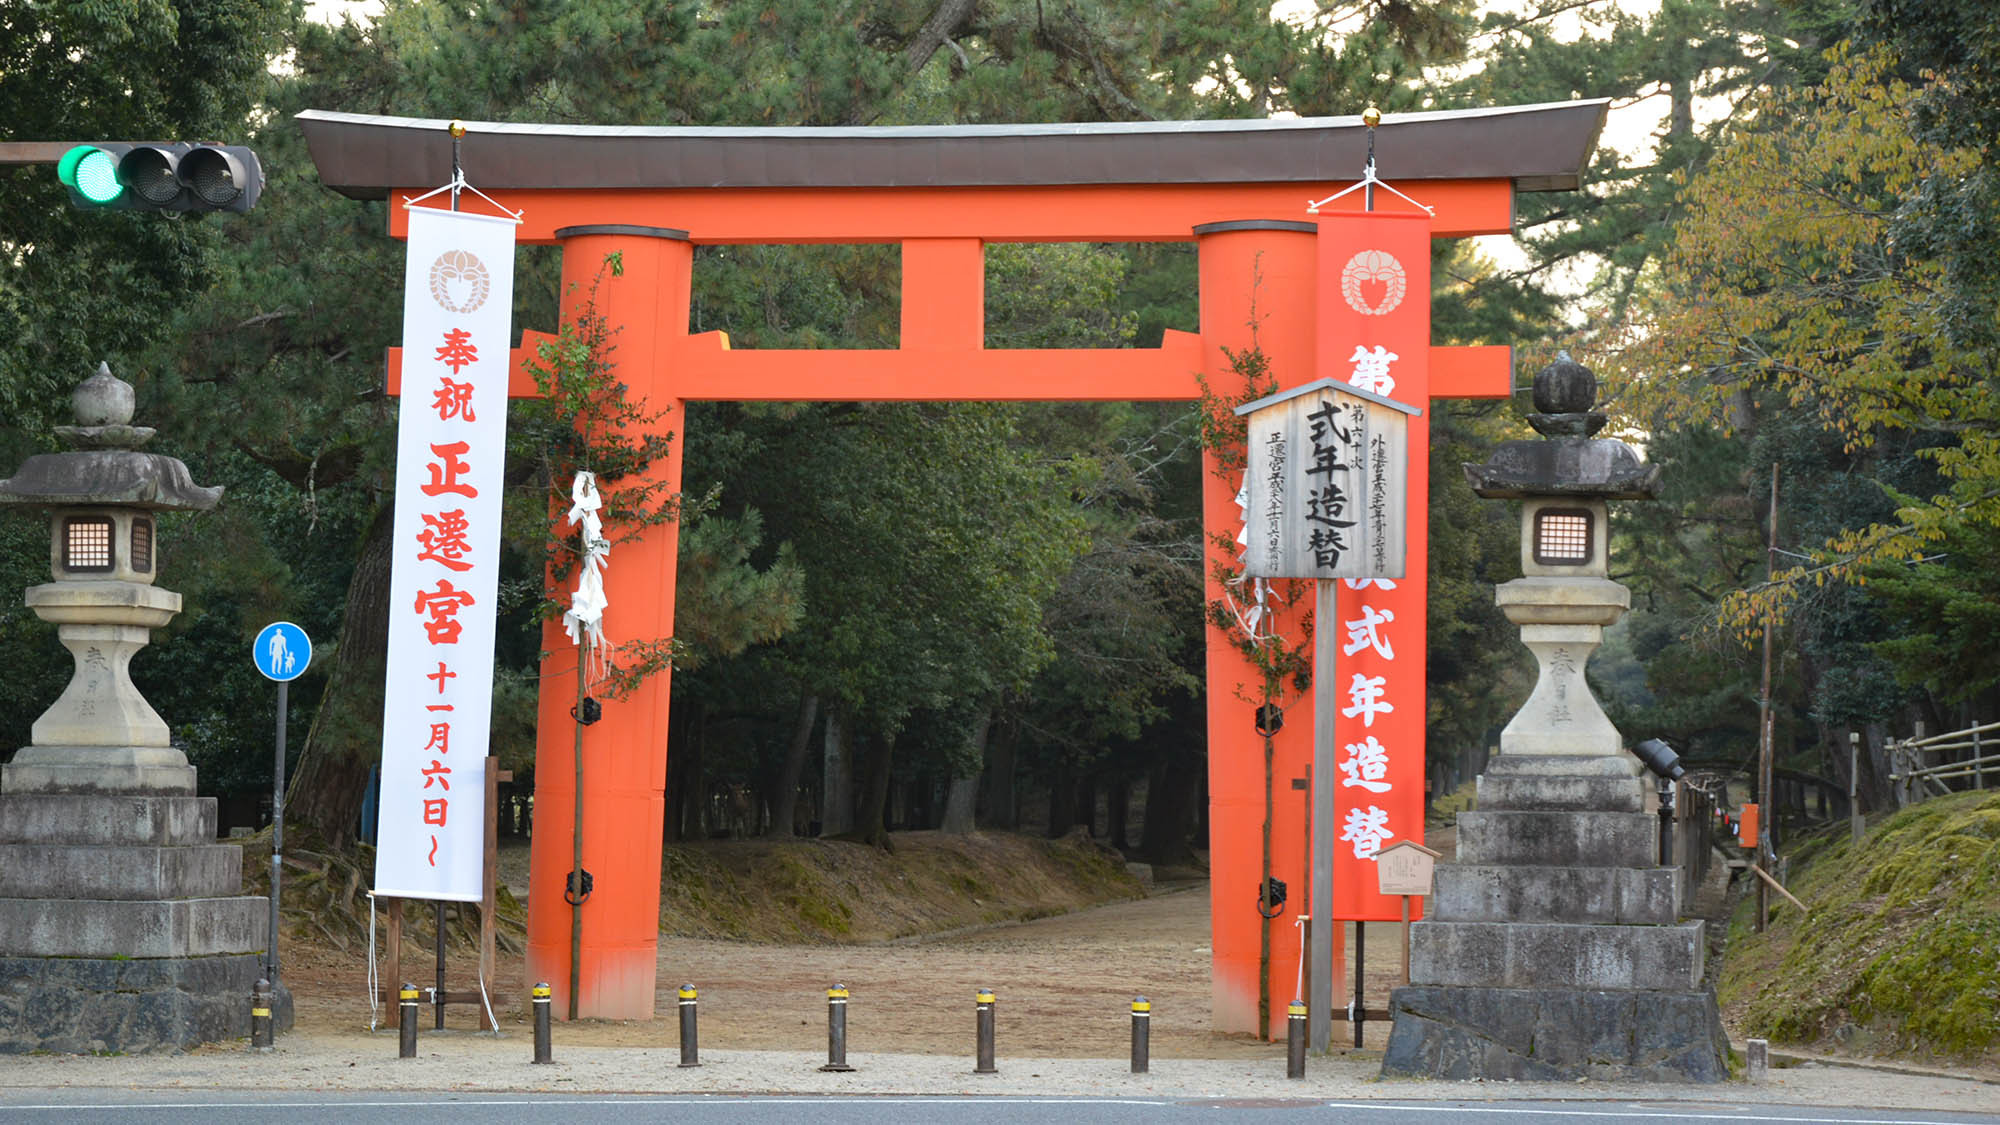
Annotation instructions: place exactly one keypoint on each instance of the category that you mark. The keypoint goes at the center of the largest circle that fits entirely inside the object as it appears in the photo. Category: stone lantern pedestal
(1554, 948)
(122, 922)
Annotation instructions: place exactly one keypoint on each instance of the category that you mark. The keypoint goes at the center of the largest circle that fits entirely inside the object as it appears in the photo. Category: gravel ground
(480, 1062)
(1064, 987)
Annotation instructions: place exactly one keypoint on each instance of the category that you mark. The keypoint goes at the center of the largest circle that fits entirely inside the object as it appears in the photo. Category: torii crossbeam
(1238, 189)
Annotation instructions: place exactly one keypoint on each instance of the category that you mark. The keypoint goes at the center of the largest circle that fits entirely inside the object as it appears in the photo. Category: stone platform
(1531, 1034)
(1554, 949)
(129, 1005)
(122, 925)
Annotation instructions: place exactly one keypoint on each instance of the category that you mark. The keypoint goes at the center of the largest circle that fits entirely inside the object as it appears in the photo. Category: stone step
(1556, 955)
(1611, 895)
(1584, 839)
(67, 818)
(120, 872)
(81, 927)
(1561, 793)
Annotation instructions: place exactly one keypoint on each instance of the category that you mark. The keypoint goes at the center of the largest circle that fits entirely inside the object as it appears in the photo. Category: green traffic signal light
(161, 176)
(91, 173)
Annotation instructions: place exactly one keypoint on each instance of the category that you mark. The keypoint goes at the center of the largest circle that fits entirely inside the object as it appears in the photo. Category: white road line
(1676, 1115)
(635, 1099)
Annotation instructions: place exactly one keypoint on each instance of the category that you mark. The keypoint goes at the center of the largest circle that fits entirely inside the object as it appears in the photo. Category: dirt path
(1064, 987)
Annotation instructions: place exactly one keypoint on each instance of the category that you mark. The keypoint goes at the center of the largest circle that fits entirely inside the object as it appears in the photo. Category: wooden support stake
(1779, 887)
(1406, 937)
(392, 967)
(489, 892)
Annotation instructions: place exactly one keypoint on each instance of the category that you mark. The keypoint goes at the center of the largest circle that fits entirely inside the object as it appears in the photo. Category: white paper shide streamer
(584, 620)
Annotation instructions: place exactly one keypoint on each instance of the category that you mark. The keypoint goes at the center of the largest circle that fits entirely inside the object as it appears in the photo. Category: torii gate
(1238, 189)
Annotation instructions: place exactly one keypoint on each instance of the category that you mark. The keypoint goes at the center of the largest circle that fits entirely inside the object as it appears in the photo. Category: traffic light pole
(20, 154)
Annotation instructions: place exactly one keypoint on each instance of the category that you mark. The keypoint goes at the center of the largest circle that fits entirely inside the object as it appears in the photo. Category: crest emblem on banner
(1379, 267)
(460, 282)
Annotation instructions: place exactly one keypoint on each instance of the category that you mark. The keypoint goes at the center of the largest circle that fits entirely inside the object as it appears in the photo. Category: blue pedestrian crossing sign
(282, 651)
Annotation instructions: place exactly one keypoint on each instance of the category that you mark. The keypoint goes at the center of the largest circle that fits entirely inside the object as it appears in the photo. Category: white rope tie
(374, 980)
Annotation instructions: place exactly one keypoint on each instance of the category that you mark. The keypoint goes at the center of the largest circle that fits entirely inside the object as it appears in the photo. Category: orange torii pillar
(624, 762)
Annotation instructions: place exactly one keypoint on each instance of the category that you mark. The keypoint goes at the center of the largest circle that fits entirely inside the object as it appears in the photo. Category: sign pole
(277, 832)
(281, 653)
(1319, 1007)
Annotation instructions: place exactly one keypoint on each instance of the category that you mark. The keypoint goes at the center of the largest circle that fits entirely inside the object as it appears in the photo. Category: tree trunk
(1171, 792)
(963, 795)
(837, 818)
(1118, 802)
(1003, 805)
(785, 801)
(870, 825)
(345, 740)
(1086, 805)
(687, 796)
(1062, 802)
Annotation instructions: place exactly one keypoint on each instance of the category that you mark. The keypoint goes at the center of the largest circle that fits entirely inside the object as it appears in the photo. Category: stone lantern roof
(106, 467)
(1567, 461)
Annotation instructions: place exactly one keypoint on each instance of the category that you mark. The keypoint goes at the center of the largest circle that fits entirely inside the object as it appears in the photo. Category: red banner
(1374, 332)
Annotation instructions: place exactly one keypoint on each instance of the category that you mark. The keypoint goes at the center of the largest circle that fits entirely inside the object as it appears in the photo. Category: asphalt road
(32, 1107)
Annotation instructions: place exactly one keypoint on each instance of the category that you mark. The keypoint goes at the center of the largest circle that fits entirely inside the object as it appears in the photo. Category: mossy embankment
(832, 891)
(1900, 953)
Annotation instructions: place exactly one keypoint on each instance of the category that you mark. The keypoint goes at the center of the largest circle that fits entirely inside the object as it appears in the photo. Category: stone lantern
(102, 735)
(1565, 598)
(122, 926)
(1554, 947)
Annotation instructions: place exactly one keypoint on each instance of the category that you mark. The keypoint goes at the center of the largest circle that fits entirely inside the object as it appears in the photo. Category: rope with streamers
(584, 620)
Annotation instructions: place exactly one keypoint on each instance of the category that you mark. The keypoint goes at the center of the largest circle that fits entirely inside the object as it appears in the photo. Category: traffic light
(164, 176)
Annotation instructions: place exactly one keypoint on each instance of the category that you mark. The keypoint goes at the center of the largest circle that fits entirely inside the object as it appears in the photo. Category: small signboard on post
(1324, 493)
(1404, 868)
(1325, 486)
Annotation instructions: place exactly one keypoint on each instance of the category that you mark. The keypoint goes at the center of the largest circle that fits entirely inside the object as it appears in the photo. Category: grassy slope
(760, 890)
(829, 891)
(1901, 951)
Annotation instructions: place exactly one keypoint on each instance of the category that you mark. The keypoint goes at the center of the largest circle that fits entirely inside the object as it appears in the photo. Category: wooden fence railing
(1922, 767)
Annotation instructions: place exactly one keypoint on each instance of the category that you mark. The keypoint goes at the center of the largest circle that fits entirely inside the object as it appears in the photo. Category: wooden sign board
(1404, 868)
(1324, 492)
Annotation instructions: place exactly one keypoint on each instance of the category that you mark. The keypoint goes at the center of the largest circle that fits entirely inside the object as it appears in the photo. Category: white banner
(458, 292)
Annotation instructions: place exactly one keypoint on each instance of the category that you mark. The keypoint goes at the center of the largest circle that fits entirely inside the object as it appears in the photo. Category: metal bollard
(260, 1015)
(836, 1029)
(540, 997)
(984, 1000)
(1142, 1034)
(406, 1000)
(690, 1044)
(1757, 1059)
(1295, 1041)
